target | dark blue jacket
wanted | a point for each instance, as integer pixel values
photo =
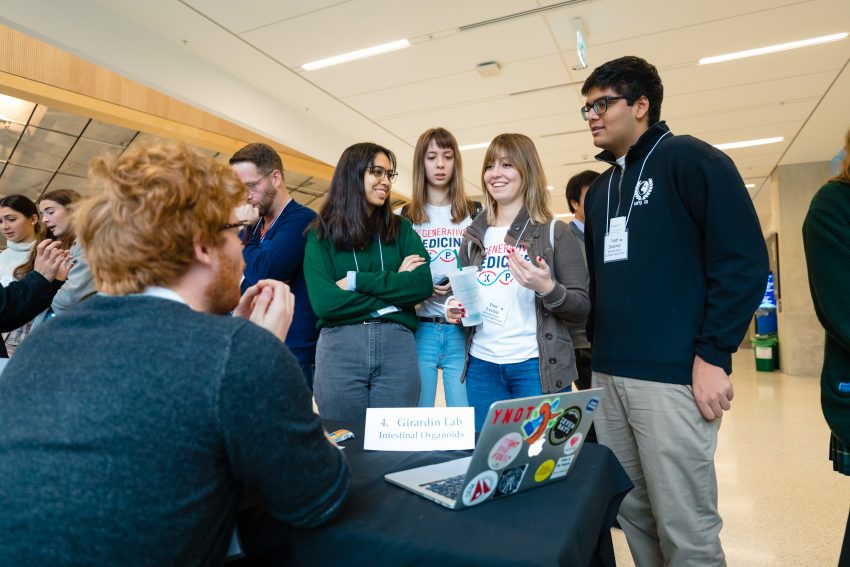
(279, 255)
(697, 263)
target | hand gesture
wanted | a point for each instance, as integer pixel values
(269, 304)
(442, 289)
(712, 389)
(65, 268)
(48, 258)
(538, 278)
(411, 262)
(454, 311)
(247, 213)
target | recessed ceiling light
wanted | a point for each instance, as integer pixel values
(750, 185)
(748, 143)
(773, 48)
(474, 146)
(354, 55)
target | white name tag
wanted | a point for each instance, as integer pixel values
(494, 313)
(617, 241)
(419, 429)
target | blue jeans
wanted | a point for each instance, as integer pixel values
(363, 366)
(487, 382)
(441, 345)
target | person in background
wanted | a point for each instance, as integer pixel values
(23, 299)
(131, 426)
(826, 239)
(577, 188)
(56, 208)
(439, 213)
(366, 270)
(275, 240)
(678, 266)
(532, 284)
(20, 227)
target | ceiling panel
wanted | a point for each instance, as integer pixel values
(43, 149)
(17, 180)
(58, 121)
(108, 133)
(77, 162)
(293, 42)
(62, 181)
(15, 109)
(10, 133)
(250, 14)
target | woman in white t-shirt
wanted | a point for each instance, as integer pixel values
(439, 212)
(532, 282)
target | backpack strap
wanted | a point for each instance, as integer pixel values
(478, 208)
(552, 235)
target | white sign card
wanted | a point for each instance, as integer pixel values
(419, 429)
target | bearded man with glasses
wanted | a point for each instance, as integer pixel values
(275, 241)
(677, 268)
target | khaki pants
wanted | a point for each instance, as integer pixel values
(667, 448)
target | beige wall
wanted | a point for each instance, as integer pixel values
(782, 205)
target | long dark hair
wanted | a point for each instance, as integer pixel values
(344, 218)
(26, 207)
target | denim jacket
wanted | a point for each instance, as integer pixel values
(567, 304)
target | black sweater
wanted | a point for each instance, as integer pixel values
(697, 263)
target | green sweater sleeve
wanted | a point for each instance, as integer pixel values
(328, 300)
(403, 289)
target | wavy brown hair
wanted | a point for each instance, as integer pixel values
(150, 206)
(461, 206)
(519, 151)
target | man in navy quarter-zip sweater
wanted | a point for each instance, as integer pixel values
(677, 267)
(274, 244)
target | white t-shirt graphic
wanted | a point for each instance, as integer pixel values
(508, 333)
(441, 238)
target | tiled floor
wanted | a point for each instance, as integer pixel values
(781, 503)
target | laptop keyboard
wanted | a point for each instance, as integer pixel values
(449, 487)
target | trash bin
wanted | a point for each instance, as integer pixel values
(766, 351)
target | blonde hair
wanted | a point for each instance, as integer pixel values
(461, 206)
(519, 151)
(844, 168)
(149, 206)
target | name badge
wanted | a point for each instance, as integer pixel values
(617, 241)
(494, 313)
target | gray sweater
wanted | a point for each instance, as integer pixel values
(130, 426)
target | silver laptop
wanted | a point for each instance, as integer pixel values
(525, 443)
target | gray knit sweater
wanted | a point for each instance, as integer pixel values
(130, 427)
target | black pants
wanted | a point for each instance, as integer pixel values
(583, 360)
(844, 559)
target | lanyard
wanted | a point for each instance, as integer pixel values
(380, 251)
(637, 183)
(265, 232)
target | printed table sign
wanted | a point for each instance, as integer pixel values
(419, 429)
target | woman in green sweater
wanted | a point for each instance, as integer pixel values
(366, 269)
(826, 237)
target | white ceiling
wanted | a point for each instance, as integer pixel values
(241, 61)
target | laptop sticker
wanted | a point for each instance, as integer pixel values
(562, 466)
(544, 470)
(541, 420)
(505, 451)
(591, 405)
(510, 481)
(573, 444)
(565, 426)
(481, 488)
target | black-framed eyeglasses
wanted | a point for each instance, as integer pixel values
(252, 185)
(379, 172)
(600, 105)
(244, 229)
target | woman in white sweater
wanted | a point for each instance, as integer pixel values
(19, 224)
